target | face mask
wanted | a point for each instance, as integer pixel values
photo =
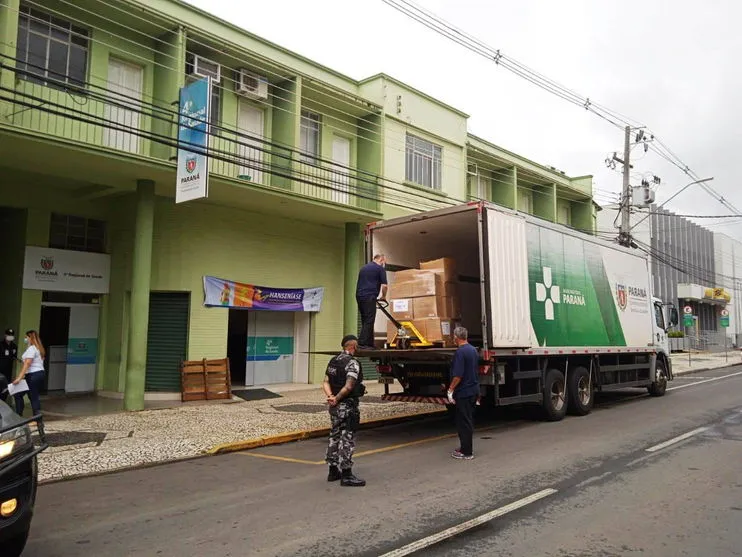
(25, 341)
(9, 338)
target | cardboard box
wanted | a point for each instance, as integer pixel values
(445, 267)
(429, 306)
(438, 330)
(453, 307)
(414, 283)
(402, 309)
(451, 289)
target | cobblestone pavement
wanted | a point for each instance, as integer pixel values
(108, 442)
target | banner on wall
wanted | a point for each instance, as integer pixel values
(225, 293)
(192, 180)
(58, 270)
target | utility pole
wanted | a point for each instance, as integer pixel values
(624, 237)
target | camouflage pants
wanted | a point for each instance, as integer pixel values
(345, 418)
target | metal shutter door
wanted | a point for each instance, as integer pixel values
(167, 340)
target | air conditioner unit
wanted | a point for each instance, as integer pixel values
(203, 67)
(251, 85)
(472, 170)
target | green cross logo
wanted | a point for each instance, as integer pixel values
(548, 293)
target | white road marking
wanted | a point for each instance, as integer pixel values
(469, 524)
(705, 381)
(677, 439)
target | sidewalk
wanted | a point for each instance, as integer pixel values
(92, 444)
(703, 360)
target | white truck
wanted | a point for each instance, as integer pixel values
(556, 314)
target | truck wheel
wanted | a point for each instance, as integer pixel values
(580, 392)
(659, 386)
(555, 402)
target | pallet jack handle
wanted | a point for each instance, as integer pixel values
(383, 305)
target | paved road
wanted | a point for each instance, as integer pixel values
(602, 492)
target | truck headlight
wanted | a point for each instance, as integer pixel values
(14, 440)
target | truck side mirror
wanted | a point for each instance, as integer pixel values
(673, 316)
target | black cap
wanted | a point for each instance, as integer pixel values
(347, 339)
(10, 332)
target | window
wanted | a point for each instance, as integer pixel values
(77, 233)
(51, 50)
(423, 162)
(659, 316)
(564, 213)
(310, 136)
(525, 201)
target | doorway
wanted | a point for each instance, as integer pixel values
(54, 330)
(268, 347)
(237, 345)
(251, 121)
(341, 157)
(125, 85)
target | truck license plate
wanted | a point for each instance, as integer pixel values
(386, 380)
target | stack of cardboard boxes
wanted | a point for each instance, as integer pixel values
(429, 298)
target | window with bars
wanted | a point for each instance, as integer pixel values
(51, 50)
(77, 233)
(310, 136)
(423, 162)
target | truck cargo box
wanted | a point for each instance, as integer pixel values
(524, 282)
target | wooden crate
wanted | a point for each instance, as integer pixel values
(205, 380)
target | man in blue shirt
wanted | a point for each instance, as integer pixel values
(371, 286)
(463, 391)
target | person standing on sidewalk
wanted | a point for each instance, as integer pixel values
(463, 391)
(33, 372)
(371, 286)
(343, 387)
(8, 356)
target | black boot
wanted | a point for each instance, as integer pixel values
(349, 480)
(334, 474)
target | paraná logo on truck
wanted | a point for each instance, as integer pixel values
(621, 297)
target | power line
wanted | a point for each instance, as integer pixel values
(442, 27)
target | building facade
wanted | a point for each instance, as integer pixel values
(691, 267)
(301, 158)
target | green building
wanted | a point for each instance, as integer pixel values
(102, 261)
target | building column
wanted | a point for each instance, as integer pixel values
(141, 274)
(353, 262)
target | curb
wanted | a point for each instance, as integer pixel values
(290, 437)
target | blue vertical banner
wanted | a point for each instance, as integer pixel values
(193, 141)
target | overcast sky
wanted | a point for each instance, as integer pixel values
(672, 65)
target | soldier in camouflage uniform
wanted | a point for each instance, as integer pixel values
(343, 386)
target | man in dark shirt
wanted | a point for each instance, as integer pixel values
(8, 356)
(463, 391)
(371, 287)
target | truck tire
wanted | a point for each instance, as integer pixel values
(580, 392)
(659, 386)
(555, 401)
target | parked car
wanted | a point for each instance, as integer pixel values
(18, 480)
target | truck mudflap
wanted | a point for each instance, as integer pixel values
(415, 398)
